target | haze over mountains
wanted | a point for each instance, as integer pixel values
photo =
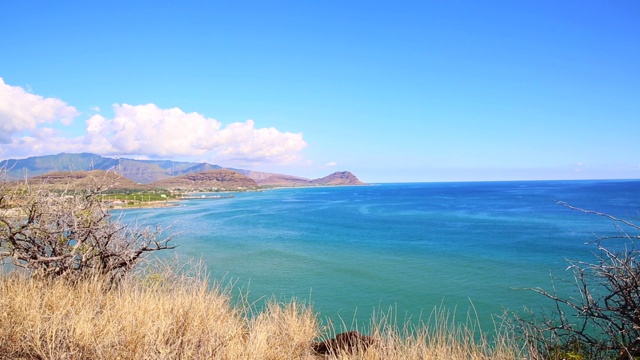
(162, 173)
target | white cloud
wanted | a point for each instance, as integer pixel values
(243, 142)
(22, 111)
(331, 164)
(149, 130)
(41, 141)
(139, 131)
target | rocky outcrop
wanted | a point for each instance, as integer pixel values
(338, 178)
(341, 178)
(348, 342)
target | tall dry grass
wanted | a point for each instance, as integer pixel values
(167, 316)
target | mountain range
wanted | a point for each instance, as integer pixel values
(161, 173)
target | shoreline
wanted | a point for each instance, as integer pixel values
(191, 196)
(147, 205)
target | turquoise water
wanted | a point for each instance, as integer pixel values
(410, 247)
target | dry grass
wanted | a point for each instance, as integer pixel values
(440, 337)
(168, 316)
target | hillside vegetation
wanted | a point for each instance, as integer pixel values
(210, 180)
(79, 180)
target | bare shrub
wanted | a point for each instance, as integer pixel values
(54, 233)
(602, 318)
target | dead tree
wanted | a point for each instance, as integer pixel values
(602, 319)
(69, 233)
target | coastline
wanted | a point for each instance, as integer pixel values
(190, 196)
(147, 205)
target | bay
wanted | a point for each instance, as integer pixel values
(350, 251)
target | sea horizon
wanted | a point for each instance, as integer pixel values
(487, 181)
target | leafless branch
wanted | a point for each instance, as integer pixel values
(70, 233)
(605, 316)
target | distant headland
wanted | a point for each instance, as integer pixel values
(134, 174)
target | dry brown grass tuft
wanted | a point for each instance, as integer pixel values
(439, 338)
(163, 315)
(281, 331)
(87, 320)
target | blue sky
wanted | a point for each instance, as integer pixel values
(392, 91)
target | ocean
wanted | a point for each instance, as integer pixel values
(406, 248)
